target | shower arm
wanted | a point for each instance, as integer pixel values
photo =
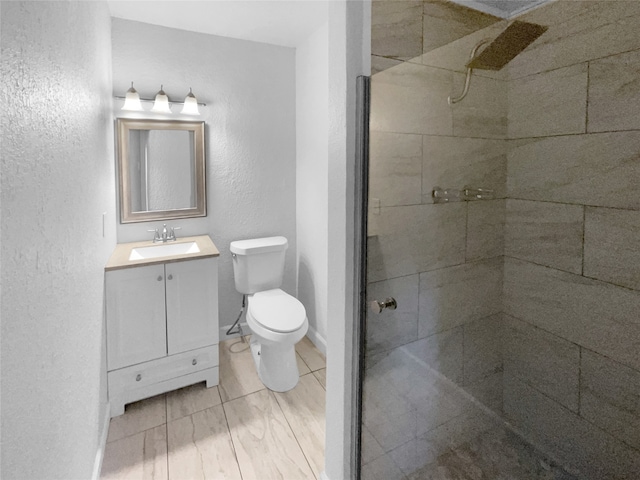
(467, 81)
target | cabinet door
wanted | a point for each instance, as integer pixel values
(192, 304)
(136, 327)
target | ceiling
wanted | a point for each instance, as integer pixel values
(285, 23)
(502, 8)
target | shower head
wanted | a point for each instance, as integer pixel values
(517, 36)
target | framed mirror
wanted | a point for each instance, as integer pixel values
(161, 169)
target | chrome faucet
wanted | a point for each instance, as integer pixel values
(168, 234)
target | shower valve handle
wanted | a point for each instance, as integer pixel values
(390, 303)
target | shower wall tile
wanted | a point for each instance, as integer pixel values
(392, 328)
(415, 239)
(590, 313)
(483, 112)
(411, 98)
(546, 362)
(575, 442)
(599, 169)
(609, 397)
(442, 352)
(545, 233)
(453, 296)
(488, 391)
(611, 246)
(445, 22)
(396, 28)
(485, 229)
(578, 32)
(395, 168)
(550, 103)
(380, 64)
(482, 348)
(451, 162)
(614, 93)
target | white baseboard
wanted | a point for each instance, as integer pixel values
(223, 331)
(102, 442)
(318, 340)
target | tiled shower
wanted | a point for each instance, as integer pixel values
(527, 300)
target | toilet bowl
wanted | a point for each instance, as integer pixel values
(277, 322)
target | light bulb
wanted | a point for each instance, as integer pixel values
(132, 101)
(190, 105)
(161, 104)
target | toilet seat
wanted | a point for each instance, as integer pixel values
(277, 311)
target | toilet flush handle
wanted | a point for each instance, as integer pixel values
(390, 303)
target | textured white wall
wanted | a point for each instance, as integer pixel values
(57, 180)
(312, 190)
(249, 89)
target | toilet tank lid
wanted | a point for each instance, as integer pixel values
(258, 245)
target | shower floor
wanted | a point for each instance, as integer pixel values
(418, 425)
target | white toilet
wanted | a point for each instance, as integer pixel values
(277, 320)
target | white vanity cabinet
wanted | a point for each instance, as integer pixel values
(162, 328)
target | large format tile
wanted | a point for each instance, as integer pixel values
(138, 417)
(321, 375)
(380, 64)
(188, 400)
(415, 239)
(304, 409)
(485, 229)
(544, 361)
(442, 352)
(451, 162)
(200, 447)
(392, 328)
(238, 375)
(599, 169)
(609, 397)
(382, 468)
(396, 28)
(395, 168)
(611, 246)
(310, 354)
(488, 391)
(453, 296)
(445, 22)
(142, 456)
(578, 444)
(545, 233)
(411, 98)
(482, 348)
(483, 112)
(551, 103)
(590, 313)
(614, 93)
(578, 32)
(264, 443)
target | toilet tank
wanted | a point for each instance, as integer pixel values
(258, 264)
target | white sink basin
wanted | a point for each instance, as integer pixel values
(164, 250)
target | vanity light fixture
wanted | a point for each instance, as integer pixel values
(132, 100)
(161, 103)
(190, 104)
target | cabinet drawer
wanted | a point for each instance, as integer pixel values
(155, 371)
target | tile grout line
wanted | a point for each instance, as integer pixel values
(233, 445)
(294, 433)
(166, 432)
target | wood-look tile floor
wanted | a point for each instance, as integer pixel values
(237, 430)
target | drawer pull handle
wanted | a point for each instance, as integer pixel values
(194, 362)
(159, 278)
(170, 277)
(138, 377)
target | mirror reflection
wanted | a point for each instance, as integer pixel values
(161, 166)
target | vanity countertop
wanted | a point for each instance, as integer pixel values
(120, 257)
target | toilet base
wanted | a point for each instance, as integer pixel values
(276, 364)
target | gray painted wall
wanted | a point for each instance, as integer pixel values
(249, 89)
(57, 180)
